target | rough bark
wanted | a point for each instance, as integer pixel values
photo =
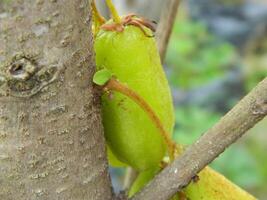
(51, 137)
(250, 110)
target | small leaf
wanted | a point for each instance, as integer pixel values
(102, 76)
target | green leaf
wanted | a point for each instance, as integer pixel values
(102, 76)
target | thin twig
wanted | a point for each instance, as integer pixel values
(166, 23)
(232, 126)
(129, 178)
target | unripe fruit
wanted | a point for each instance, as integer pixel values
(132, 57)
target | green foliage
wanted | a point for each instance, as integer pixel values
(256, 145)
(5, 1)
(254, 78)
(196, 57)
(255, 59)
(191, 122)
(240, 166)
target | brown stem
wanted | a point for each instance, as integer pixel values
(232, 126)
(115, 85)
(98, 17)
(165, 25)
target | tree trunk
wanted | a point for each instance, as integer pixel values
(51, 137)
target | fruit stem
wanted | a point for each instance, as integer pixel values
(113, 12)
(98, 17)
(115, 85)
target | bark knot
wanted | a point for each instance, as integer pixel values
(22, 76)
(260, 108)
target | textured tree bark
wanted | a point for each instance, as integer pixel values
(51, 137)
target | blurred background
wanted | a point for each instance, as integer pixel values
(217, 53)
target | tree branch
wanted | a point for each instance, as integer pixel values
(250, 110)
(166, 23)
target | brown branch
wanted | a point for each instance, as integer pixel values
(165, 26)
(232, 126)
